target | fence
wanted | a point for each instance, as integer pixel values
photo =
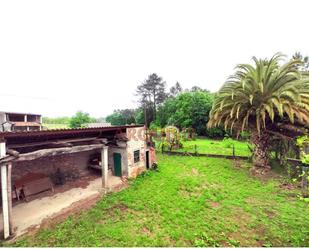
(293, 162)
(196, 153)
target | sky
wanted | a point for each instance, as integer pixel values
(61, 56)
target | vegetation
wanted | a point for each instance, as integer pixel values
(207, 202)
(57, 120)
(55, 126)
(188, 109)
(151, 93)
(80, 119)
(216, 147)
(268, 99)
(171, 138)
(304, 65)
(182, 108)
(123, 117)
(189, 202)
(175, 90)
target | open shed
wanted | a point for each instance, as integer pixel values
(37, 162)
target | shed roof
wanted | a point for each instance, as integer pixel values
(47, 134)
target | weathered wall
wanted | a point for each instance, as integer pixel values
(136, 141)
(124, 159)
(152, 156)
(72, 165)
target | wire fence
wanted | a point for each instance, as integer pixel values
(212, 148)
(195, 150)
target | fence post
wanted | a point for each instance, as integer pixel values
(304, 182)
(233, 151)
(195, 149)
(162, 147)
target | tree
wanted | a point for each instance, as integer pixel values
(115, 118)
(152, 93)
(188, 109)
(80, 119)
(196, 89)
(122, 117)
(140, 116)
(174, 90)
(304, 65)
(268, 99)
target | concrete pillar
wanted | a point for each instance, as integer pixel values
(25, 118)
(104, 165)
(4, 192)
(10, 201)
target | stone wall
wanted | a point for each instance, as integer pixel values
(73, 166)
(136, 142)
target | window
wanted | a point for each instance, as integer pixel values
(136, 156)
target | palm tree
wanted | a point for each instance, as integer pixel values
(267, 99)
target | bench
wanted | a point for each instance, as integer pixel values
(31, 184)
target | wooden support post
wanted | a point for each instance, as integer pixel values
(4, 192)
(104, 164)
(10, 208)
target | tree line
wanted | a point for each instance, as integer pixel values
(159, 107)
(76, 121)
(183, 108)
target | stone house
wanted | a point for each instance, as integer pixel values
(32, 162)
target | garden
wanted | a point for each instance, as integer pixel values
(189, 201)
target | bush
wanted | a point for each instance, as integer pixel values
(216, 132)
(154, 126)
(80, 120)
(244, 135)
(228, 142)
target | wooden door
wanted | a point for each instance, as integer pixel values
(147, 160)
(117, 164)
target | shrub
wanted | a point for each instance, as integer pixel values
(228, 142)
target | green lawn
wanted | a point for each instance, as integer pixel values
(209, 146)
(55, 126)
(190, 202)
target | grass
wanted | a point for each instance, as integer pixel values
(55, 126)
(221, 147)
(190, 201)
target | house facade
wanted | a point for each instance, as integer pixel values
(12, 121)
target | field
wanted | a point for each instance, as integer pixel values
(55, 126)
(189, 201)
(221, 147)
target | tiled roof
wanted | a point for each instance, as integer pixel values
(26, 123)
(11, 134)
